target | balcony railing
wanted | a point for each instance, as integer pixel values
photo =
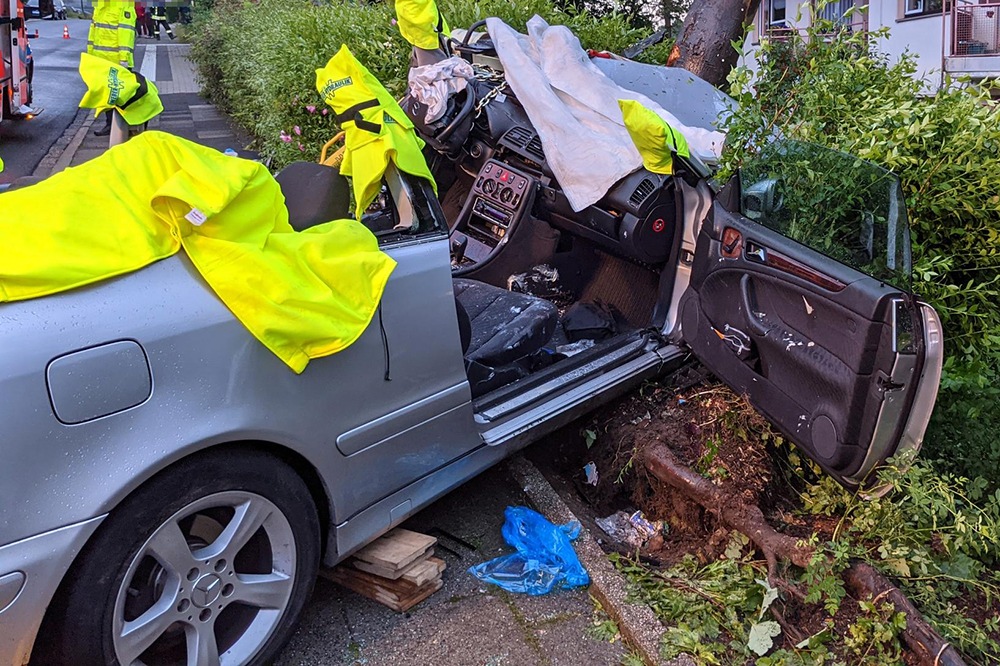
(975, 28)
(838, 12)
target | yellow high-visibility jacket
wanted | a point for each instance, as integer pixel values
(420, 22)
(303, 295)
(653, 137)
(112, 32)
(375, 127)
(110, 85)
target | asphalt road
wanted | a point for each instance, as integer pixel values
(58, 89)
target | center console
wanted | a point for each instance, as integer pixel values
(499, 198)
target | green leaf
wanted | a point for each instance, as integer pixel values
(762, 636)
(770, 595)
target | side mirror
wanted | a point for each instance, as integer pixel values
(762, 199)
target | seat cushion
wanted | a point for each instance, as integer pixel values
(314, 194)
(506, 326)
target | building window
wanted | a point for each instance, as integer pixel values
(922, 7)
(776, 12)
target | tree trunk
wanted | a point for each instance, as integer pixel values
(705, 47)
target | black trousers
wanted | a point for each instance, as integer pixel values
(162, 22)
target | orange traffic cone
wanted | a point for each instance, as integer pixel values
(65, 32)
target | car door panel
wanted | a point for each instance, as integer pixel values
(399, 406)
(809, 340)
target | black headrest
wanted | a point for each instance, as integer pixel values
(314, 194)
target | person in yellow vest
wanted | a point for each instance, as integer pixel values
(112, 37)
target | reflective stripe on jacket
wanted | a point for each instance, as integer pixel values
(112, 32)
(110, 85)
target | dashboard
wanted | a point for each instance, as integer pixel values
(500, 197)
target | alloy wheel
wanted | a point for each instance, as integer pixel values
(209, 586)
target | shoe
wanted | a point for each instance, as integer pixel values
(104, 131)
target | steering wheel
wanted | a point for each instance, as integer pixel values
(470, 103)
(472, 29)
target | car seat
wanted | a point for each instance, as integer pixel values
(500, 331)
(314, 194)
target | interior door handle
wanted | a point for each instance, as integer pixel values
(755, 253)
(749, 302)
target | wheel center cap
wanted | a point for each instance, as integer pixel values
(206, 590)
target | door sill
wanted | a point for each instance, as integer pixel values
(520, 394)
(597, 382)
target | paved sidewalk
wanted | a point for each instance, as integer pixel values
(185, 112)
(466, 623)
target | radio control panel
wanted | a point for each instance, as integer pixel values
(499, 196)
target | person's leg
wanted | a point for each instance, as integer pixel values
(170, 33)
(106, 130)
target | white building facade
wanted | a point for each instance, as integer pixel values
(960, 37)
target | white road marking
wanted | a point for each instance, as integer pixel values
(148, 68)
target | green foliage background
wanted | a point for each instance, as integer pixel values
(259, 57)
(839, 90)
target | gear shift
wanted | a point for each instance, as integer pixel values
(458, 249)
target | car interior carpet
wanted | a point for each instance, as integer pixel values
(595, 275)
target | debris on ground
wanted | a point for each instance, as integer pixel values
(544, 560)
(634, 530)
(743, 515)
(398, 570)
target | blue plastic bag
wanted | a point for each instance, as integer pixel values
(544, 559)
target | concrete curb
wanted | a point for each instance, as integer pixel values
(638, 625)
(61, 153)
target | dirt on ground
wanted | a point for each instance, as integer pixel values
(712, 430)
(707, 427)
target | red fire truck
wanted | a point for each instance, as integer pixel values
(15, 62)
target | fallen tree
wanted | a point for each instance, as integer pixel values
(863, 580)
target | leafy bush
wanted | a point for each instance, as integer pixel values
(258, 59)
(937, 534)
(839, 90)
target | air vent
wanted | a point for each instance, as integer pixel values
(642, 192)
(535, 148)
(518, 137)
(525, 142)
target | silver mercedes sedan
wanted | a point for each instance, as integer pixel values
(170, 488)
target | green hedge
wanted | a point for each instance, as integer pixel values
(259, 58)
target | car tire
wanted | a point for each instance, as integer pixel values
(216, 555)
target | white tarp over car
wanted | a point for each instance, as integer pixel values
(573, 106)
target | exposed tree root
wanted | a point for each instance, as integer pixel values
(729, 509)
(863, 580)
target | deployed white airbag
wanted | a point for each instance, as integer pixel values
(573, 106)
